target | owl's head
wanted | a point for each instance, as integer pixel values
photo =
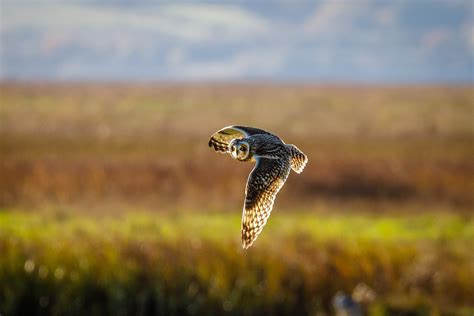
(240, 150)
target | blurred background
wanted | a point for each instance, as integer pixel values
(112, 203)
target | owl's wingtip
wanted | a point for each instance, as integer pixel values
(245, 246)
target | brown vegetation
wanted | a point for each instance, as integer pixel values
(77, 142)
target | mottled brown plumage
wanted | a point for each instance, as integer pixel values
(274, 160)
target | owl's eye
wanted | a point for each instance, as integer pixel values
(232, 148)
(243, 148)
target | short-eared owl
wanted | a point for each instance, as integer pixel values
(274, 160)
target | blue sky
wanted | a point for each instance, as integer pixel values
(324, 41)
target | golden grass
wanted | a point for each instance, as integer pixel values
(73, 142)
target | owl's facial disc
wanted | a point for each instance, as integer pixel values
(239, 149)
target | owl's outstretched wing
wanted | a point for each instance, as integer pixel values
(263, 184)
(220, 140)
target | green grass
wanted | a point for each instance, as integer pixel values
(145, 263)
(219, 227)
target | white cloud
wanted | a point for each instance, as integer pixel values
(333, 15)
(217, 18)
(187, 22)
(117, 32)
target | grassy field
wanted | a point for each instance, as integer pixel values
(140, 263)
(73, 143)
(112, 203)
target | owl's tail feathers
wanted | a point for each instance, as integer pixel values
(298, 159)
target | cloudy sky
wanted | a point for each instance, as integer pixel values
(339, 40)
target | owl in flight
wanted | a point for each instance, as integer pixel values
(274, 159)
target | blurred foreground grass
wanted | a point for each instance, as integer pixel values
(191, 263)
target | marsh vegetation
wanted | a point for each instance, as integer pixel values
(111, 201)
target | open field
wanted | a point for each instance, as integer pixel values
(111, 201)
(138, 263)
(71, 142)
